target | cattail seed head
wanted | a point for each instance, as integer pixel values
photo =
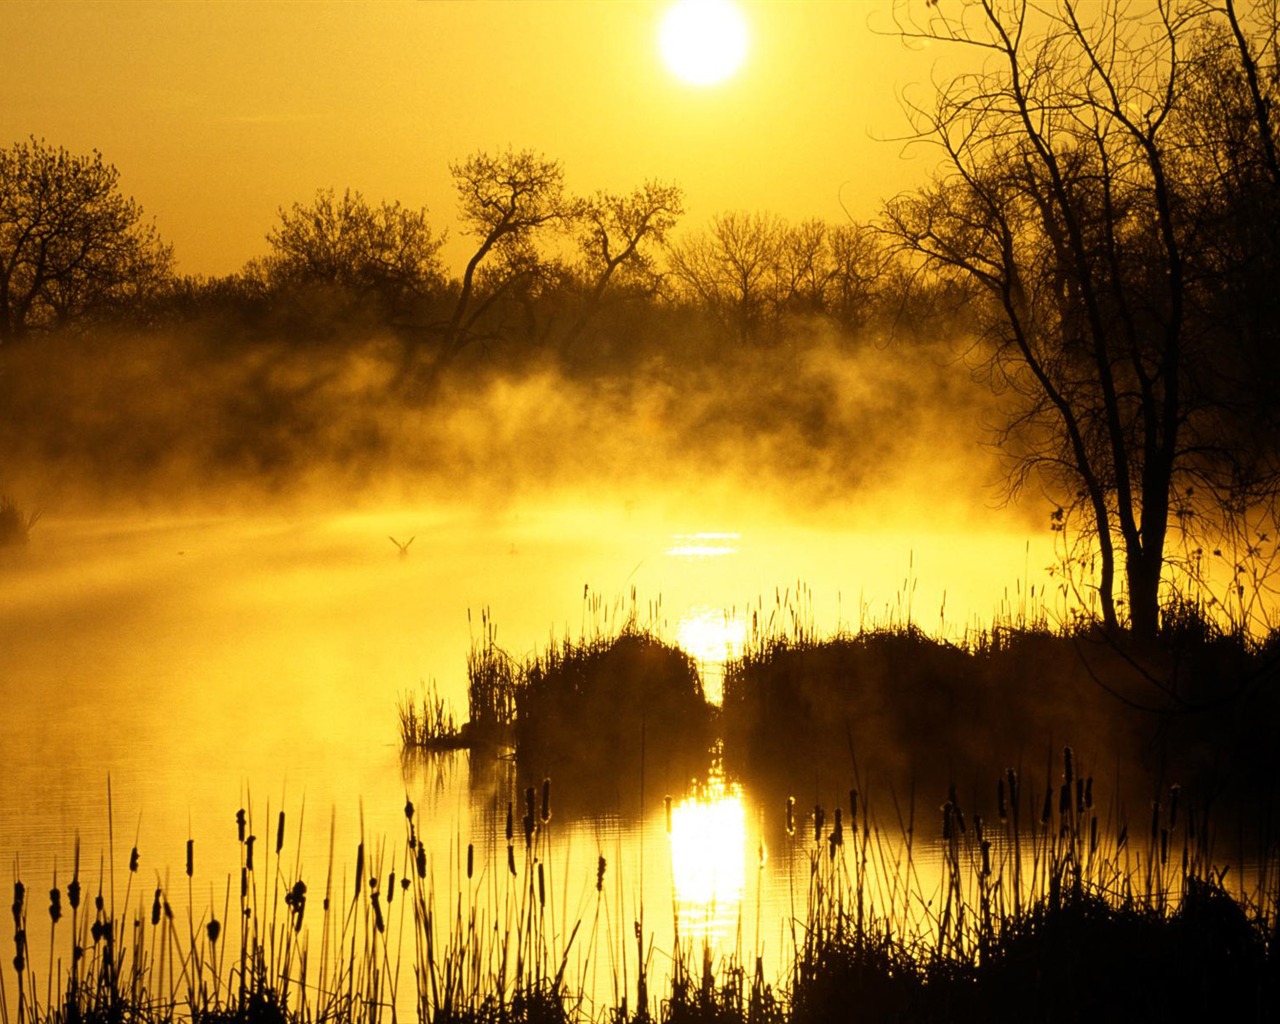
(55, 904)
(133, 861)
(819, 818)
(471, 857)
(359, 867)
(511, 859)
(600, 865)
(666, 805)
(155, 909)
(241, 821)
(214, 929)
(279, 833)
(408, 809)
(421, 863)
(248, 851)
(546, 800)
(510, 822)
(73, 893)
(191, 855)
(19, 899)
(542, 889)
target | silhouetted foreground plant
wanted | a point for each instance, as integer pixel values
(1034, 913)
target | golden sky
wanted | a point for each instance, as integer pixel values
(218, 114)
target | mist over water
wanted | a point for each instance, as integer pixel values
(220, 611)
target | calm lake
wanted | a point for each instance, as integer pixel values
(159, 674)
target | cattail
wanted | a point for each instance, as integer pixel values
(977, 827)
(155, 909)
(600, 865)
(404, 885)
(279, 833)
(214, 929)
(20, 948)
(73, 893)
(133, 861)
(408, 809)
(55, 904)
(391, 887)
(791, 816)
(511, 859)
(241, 821)
(244, 883)
(819, 817)
(1093, 834)
(546, 800)
(510, 829)
(378, 922)
(1047, 810)
(666, 804)
(471, 856)
(248, 852)
(359, 867)
(527, 821)
(986, 858)
(422, 861)
(836, 839)
(542, 889)
(1064, 800)
(191, 856)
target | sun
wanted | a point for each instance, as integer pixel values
(703, 42)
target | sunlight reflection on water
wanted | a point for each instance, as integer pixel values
(708, 856)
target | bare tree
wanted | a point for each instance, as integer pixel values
(616, 235)
(505, 202)
(385, 252)
(732, 270)
(1074, 194)
(71, 245)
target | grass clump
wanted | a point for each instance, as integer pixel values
(428, 723)
(609, 700)
(15, 525)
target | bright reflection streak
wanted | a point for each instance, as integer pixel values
(712, 636)
(708, 857)
(703, 545)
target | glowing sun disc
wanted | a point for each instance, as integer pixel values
(703, 41)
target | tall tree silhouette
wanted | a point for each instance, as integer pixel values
(1089, 189)
(71, 245)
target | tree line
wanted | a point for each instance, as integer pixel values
(1103, 227)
